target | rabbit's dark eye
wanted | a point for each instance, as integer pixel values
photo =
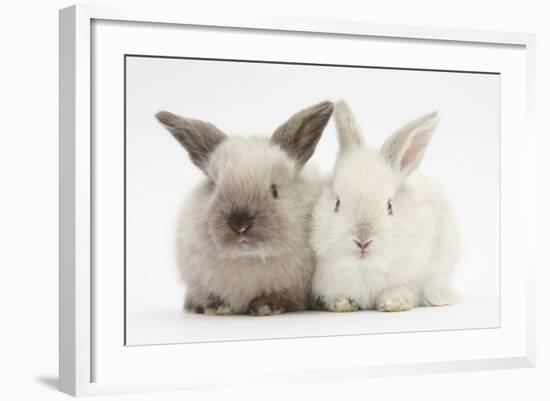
(274, 191)
(337, 206)
(390, 208)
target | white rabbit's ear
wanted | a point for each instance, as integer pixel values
(199, 138)
(299, 135)
(406, 147)
(349, 132)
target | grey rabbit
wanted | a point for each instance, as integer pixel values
(242, 238)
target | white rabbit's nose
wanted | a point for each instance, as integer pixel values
(362, 245)
(362, 233)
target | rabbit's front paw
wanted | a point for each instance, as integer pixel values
(215, 309)
(394, 301)
(394, 305)
(266, 305)
(211, 305)
(342, 305)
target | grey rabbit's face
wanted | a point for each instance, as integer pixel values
(253, 182)
(252, 193)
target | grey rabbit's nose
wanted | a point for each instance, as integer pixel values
(240, 221)
(362, 245)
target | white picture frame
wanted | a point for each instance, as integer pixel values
(93, 357)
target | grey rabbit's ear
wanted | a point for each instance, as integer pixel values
(299, 136)
(406, 147)
(199, 138)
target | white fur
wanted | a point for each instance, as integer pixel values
(413, 252)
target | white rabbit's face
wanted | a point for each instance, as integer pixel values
(354, 217)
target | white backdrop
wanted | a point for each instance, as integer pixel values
(252, 98)
(28, 164)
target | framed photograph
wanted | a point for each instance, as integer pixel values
(289, 200)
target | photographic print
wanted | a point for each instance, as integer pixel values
(268, 199)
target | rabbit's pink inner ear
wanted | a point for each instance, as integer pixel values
(404, 149)
(394, 149)
(414, 152)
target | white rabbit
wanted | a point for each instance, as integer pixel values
(383, 235)
(242, 242)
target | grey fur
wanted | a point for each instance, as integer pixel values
(198, 137)
(300, 134)
(272, 272)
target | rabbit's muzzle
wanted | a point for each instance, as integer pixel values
(240, 221)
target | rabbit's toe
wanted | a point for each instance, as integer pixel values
(342, 305)
(394, 305)
(264, 310)
(266, 305)
(218, 310)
